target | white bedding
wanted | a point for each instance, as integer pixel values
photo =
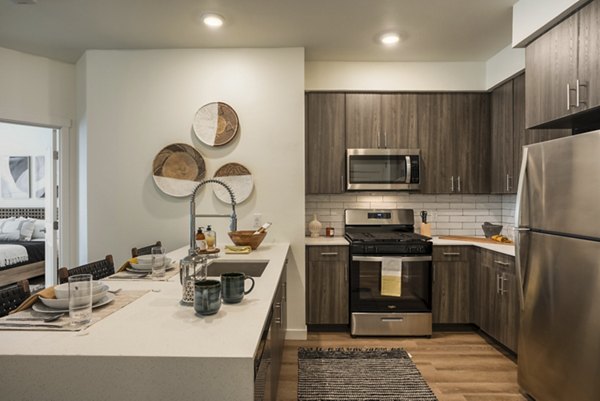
(11, 254)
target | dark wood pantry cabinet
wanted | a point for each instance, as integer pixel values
(327, 287)
(325, 143)
(563, 70)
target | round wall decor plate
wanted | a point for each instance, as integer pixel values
(177, 169)
(239, 180)
(215, 124)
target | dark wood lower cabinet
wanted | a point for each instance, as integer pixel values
(479, 286)
(327, 290)
(451, 284)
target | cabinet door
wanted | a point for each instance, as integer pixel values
(451, 285)
(489, 284)
(363, 121)
(325, 143)
(327, 285)
(277, 336)
(510, 312)
(551, 64)
(434, 121)
(502, 163)
(476, 301)
(525, 136)
(399, 121)
(589, 54)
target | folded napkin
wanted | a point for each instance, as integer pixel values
(391, 277)
(45, 293)
(127, 264)
(238, 249)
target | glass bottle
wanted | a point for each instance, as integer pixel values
(200, 240)
(211, 238)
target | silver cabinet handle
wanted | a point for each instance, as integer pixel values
(497, 283)
(452, 184)
(502, 280)
(501, 263)
(284, 297)
(451, 254)
(507, 183)
(385, 139)
(579, 84)
(459, 184)
(329, 253)
(568, 97)
(343, 183)
(379, 139)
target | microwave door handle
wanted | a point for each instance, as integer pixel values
(408, 169)
(404, 259)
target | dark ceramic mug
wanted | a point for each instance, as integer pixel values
(207, 297)
(233, 287)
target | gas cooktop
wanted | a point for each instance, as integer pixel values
(386, 237)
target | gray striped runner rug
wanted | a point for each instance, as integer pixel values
(359, 374)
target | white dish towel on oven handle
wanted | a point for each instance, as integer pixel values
(391, 277)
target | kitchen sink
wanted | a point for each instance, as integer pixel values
(253, 268)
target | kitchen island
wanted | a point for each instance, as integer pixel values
(152, 349)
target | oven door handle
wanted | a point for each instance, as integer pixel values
(402, 258)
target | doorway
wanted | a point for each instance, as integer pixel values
(30, 174)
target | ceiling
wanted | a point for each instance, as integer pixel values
(329, 30)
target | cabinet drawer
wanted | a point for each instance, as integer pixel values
(454, 253)
(505, 263)
(328, 253)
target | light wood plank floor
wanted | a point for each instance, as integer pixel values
(460, 366)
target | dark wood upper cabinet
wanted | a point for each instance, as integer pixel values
(502, 163)
(563, 71)
(399, 121)
(454, 142)
(363, 121)
(325, 143)
(381, 120)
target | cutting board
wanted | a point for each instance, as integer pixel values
(474, 239)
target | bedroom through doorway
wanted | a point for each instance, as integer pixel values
(29, 204)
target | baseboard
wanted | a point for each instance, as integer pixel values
(295, 334)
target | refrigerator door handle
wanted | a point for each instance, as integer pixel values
(520, 229)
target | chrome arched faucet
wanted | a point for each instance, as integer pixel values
(193, 215)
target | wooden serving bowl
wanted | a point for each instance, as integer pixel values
(247, 237)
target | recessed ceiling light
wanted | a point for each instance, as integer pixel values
(390, 38)
(213, 20)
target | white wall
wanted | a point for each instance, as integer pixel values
(531, 17)
(503, 65)
(133, 103)
(23, 140)
(395, 76)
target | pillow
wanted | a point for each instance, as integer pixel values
(26, 229)
(39, 229)
(10, 225)
(14, 236)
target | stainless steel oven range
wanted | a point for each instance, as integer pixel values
(390, 274)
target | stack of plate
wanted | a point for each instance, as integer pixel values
(144, 264)
(100, 296)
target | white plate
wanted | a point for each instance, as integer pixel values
(62, 291)
(147, 266)
(40, 307)
(63, 303)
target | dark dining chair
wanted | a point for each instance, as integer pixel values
(99, 269)
(12, 296)
(145, 250)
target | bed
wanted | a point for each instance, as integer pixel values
(22, 251)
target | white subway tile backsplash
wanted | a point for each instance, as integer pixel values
(448, 214)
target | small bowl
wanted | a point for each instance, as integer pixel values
(62, 291)
(247, 237)
(490, 230)
(144, 259)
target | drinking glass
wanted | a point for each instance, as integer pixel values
(158, 263)
(80, 298)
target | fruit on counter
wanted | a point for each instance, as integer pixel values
(501, 238)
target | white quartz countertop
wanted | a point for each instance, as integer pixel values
(156, 325)
(501, 248)
(325, 241)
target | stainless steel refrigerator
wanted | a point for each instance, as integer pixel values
(558, 264)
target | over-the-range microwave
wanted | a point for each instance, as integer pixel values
(383, 169)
